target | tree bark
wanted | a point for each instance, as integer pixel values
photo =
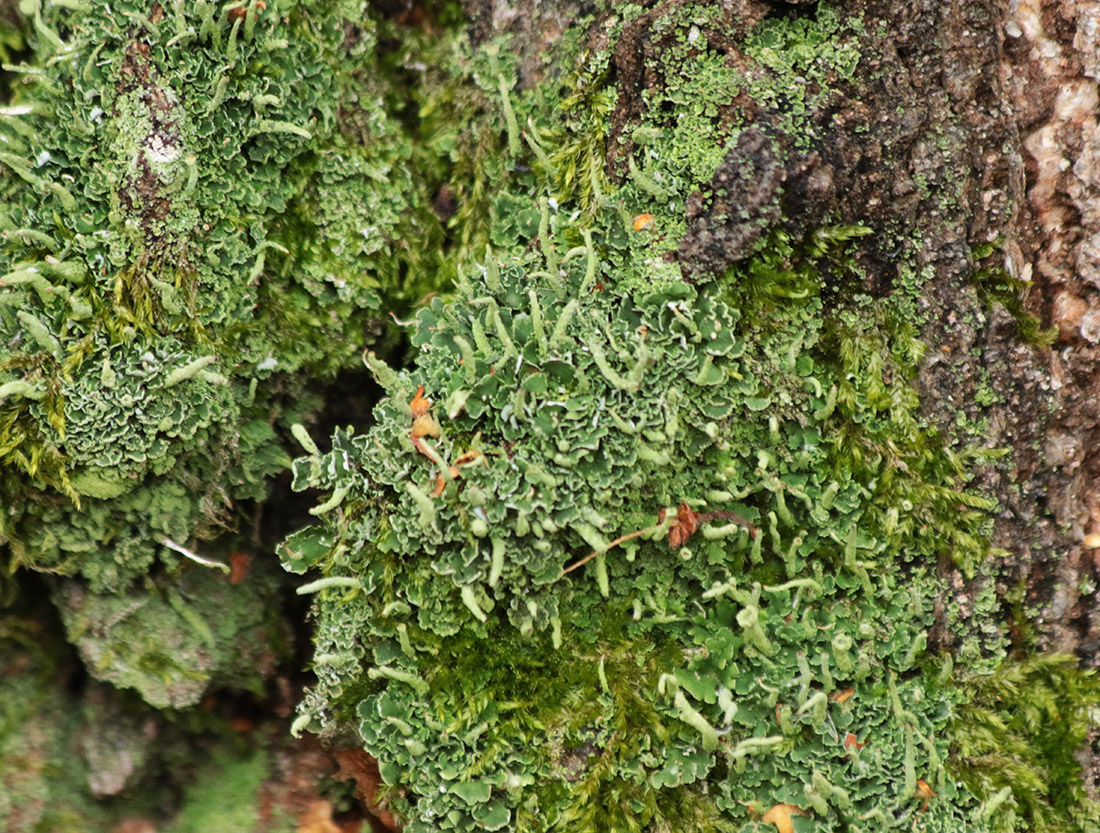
(962, 135)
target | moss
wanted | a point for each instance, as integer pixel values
(46, 770)
(546, 490)
(996, 286)
(174, 640)
(646, 536)
(223, 798)
(1016, 740)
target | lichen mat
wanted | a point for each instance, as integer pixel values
(643, 527)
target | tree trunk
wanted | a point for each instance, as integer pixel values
(892, 206)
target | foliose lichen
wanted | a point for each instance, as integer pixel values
(206, 209)
(650, 533)
(203, 209)
(629, 551)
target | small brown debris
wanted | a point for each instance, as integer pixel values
(925, 793)
(318, 819)
(441, 481)
(419, 405)
(357, 765)
(424, 426)
(240, 564)
(238, 12)
(243, 725)
(685, 525)
(780, 816)
(468, 458)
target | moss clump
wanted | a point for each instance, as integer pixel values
(996, 286)
(685, 654)
(223, 799)
(1015, 744)
(649, 534)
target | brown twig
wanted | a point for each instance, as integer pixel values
(687, 521)
(620, 540)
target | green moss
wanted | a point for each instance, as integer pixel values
(996, 286)
(172, 641)
(78, 756)
(635, 542)
(579, 435)
(1016, 743)
(223, 798)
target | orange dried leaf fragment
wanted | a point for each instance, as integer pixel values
(419, 405)
(468, 458)
(925, 793)
(441, 481)
(424, 426)
(236, 13)
(842, 696)
(780, 816)
(643, 221)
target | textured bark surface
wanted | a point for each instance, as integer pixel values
(1050, 68)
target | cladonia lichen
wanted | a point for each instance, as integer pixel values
(639, 543)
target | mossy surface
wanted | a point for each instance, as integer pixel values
(206, 214)
(1017, 739)
(221, 221)
(78, 756)
(638, 546)
(648, 534)
(173, 640)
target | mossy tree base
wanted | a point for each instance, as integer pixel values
(706, 498)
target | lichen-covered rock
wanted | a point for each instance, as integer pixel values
(173, 640)
(79, 756)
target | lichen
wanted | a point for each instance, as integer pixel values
(172, 641)
(204, 214)
(648, 533)
(627, 551)
(214, 223)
